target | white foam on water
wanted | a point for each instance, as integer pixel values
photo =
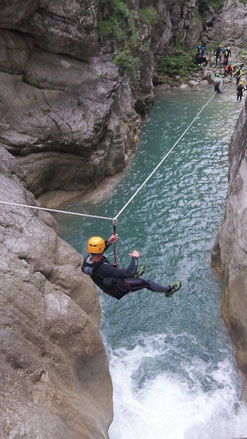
(166, 405)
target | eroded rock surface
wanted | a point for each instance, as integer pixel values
(54, 371)
(66, 111)
(229, 255)
(229, 25)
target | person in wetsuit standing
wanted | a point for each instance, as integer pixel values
(217, 52)
(117, 282)
(240, 90)
(217, 86)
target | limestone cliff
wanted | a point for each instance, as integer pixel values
(69, 108)
(229, 255)
(229, 24)
(70, 113)
(54, 371)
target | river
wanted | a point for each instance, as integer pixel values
(171, 360)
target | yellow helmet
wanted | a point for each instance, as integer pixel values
(228, 48)
(220, 45)
(241, 83)
(96, 245)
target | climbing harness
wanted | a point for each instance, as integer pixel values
(114, 219)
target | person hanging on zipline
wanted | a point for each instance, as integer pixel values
(114, 281)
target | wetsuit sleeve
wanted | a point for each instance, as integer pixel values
(108, 270)
(107, 244)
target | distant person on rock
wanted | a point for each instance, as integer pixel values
(228, 70)
(198, 50)
(117, 282)
(217, 53)
(227, 54)
(238, 73)
(217, 86)
(240, 90)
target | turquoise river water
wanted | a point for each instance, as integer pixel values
(171, 360)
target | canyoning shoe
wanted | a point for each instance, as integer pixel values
(173, 288)
(140, 270)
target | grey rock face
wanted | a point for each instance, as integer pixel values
(65, 110)
(229, 255)
(230, 24)
(55, 378)
(57, 114)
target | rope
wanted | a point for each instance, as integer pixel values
(114, 223)
(114, 220)
(67, 212)
(163, 159)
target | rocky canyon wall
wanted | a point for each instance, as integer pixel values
(69, 116)
(68, 113)
(55, 381)
(229, 254)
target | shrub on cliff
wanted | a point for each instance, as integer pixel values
(179, 62)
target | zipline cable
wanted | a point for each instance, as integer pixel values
(67, 212)
(163, 159)
(114, 220)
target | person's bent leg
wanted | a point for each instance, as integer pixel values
(140, 283)
(132, 285)
(157, 288)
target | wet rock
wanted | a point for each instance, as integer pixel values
(193, 83)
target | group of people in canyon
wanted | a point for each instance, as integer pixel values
(223, 58)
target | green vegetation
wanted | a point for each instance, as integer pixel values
(84, 11)
(179, 62)
(148, 16)
(110, 27)
(126, 62)
(118, 22)
(45, 111)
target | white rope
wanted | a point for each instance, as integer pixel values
(163, 159)
(67, 212)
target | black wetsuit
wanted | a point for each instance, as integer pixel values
(240, 90)
(117, 282)
(226, 56)
(238, 76)
(217, 53)
(217, 88)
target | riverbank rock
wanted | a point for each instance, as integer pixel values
(229, 254)
(55, 378)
